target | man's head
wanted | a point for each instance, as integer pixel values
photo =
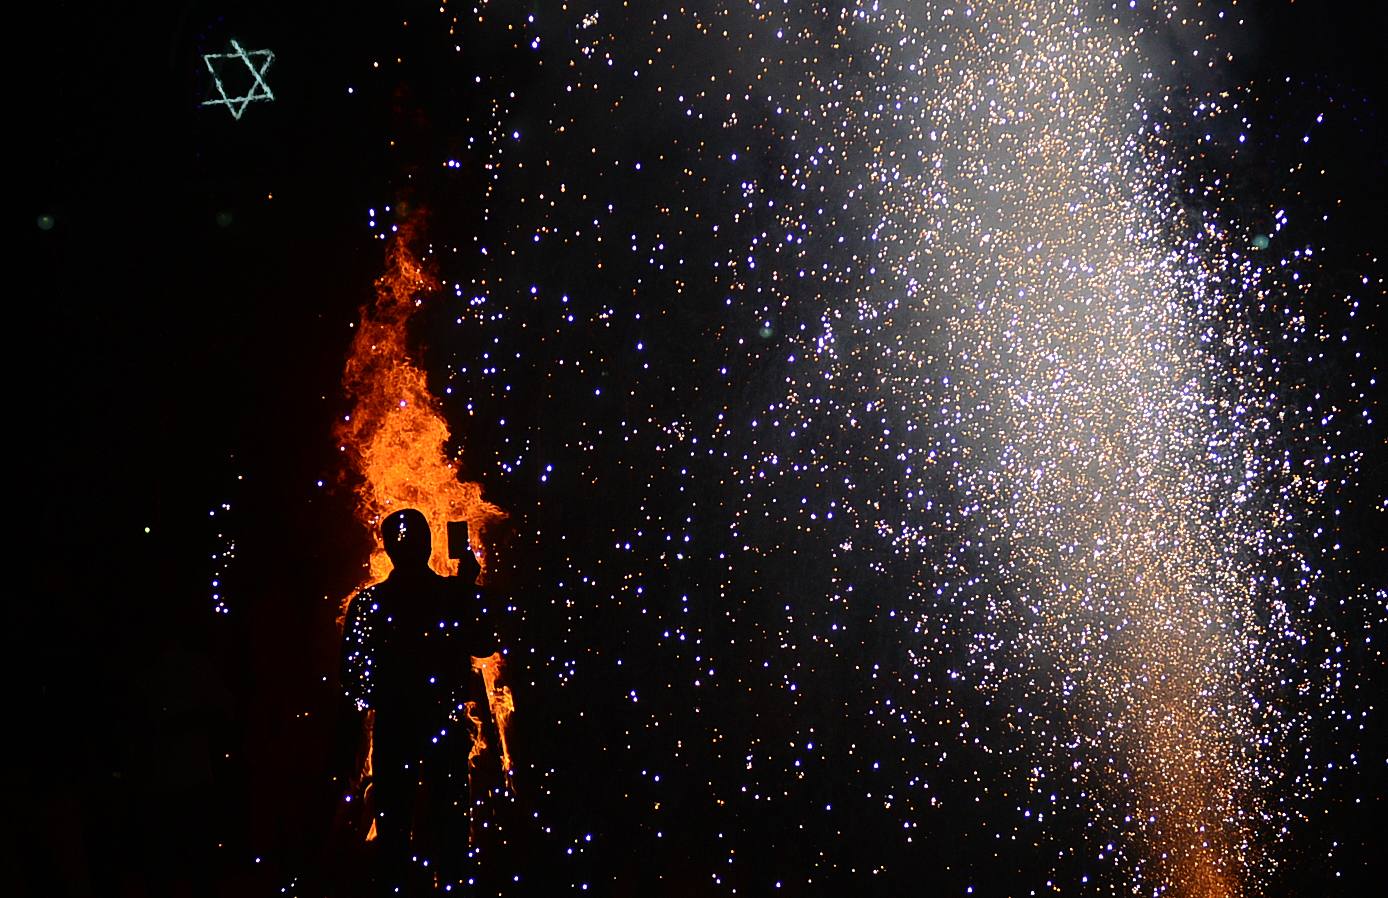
(407, 539)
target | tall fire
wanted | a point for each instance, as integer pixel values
(394, 443)
(395, 439)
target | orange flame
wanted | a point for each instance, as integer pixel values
(367, 771)
(479, 741)
(395, 438)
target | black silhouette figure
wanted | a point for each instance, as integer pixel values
(406, 654)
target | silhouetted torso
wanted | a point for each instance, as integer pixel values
(416, 625)
(407, 648)
(408, 641)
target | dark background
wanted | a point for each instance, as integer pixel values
(176, 340)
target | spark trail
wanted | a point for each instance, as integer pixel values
(1049, 338)
(1091, 424)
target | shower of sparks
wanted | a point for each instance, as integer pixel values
(912, 427)
(1065, 345)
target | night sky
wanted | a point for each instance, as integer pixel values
(806, 348)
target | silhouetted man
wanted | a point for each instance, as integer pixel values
(405, 648)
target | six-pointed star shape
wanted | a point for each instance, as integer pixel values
(259, 89)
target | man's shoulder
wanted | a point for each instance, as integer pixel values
(425, 594)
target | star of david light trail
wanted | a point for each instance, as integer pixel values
(257, 91)
(955, 430)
